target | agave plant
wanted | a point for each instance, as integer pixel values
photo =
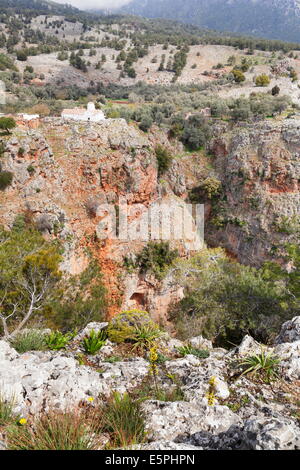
(57, 340)
(145, 336)
(265, 363)
(188, 349)
(94, 342)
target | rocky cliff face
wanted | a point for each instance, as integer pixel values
(259, 166)
(67, 176)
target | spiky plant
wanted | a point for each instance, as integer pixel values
(264, 363)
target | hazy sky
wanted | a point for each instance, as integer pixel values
(85, 4)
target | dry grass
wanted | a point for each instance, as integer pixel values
(119, 420)
(57, 431)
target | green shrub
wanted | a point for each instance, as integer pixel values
(29, 340)
(26, 259)
(264, 364)
(210, 188)
(288, 225)
(113, 359)
(195, 131)
(57, 340)
(6, 178)
(262, 80)
(31, 169)
(156, 258)
(22, 55)
(200, 353)
(225, 300)
(164, 159)
(275, 90)
(6, 63)
(238, 76)
(161, 358)
(123, 327)
(7, 123)
(144, 336)
(94, 342)
(65, 304)
(146, 123)
(55, 431)
(124, 420)
(82, 300)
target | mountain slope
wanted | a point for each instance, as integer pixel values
(40, 6)
(274, 19)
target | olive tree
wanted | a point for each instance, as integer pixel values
(29, 272)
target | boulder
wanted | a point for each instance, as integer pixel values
(271, 434)
(198, 342)
(264, 433)
(247, 347)
(195, 375)
(39, 380)
(123, 376)
(290, 331)
(289, 354)
(167, 421)
(96, 326)
(6, 351)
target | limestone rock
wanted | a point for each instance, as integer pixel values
(96, 326)
(170, 420)
(42, 379)
(247, 347)
(6, 351)
(289, 354)
(271, 434)
(165, 445)
(199, 342)
(255, 434)
(195, 375)
(122, 376)
(290, 331)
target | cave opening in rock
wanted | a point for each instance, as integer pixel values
(138, 298)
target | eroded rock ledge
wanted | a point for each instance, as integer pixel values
(245, 413)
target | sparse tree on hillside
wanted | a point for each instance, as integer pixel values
(262, 80)
(29, 271)
(275, 90)
(238, 75)
(7, 123)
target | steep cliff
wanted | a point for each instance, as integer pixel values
(67, 179)
(259, 210)
(68, 176)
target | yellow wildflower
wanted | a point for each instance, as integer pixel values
(212, 381)
(153, 356)
(211, 397)
(22, 421)
(91, 399)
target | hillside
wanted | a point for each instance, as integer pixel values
(274, 19)
(34, 6)
(198, 108)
